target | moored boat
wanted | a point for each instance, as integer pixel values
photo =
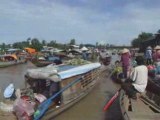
(11, 59)
(146, 107)
(72, 83)
(42, 61)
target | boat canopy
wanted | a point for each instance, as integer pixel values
(84, 49)
(78, 70)
(55, 73)
(9, 56)
(13, 50)
(30, 50)
(14, 56)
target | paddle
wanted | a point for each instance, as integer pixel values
(109, 103)
(43, 107)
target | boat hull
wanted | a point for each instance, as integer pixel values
(11, 63)
(54, 112)
(42, 63)
(74, 93)
(146, 107)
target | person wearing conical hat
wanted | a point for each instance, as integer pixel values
(125, 60)
(84, 53)
(149, 48)
(148, 55)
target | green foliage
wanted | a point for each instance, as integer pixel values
(20, 45)
(52, 43)
(36, 44)
(158, 31)
(77, 61)
(72, 42)
(44, 43)
(141, 37)
(3, 46)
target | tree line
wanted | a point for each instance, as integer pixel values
(136, 42)
(38, 45)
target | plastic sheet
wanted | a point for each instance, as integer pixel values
(23, 109)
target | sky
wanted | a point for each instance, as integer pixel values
(115, 22)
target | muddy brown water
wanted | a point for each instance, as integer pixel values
(14, 74)
(89, 108)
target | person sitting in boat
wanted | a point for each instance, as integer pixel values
(157, 72)
(84, 55)
(117, 74)
(54, 88)
(48, 88)
(138, 79)
(44, 89)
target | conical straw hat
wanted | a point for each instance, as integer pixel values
(125, 50)
(149, 47)
(84, 49)
(157, 47)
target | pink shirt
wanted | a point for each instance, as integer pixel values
(157, 56)
(125, 59)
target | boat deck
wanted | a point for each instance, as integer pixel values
(140, 109)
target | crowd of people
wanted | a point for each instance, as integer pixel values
(152, 55)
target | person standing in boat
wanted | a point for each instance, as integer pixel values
(148, 55)
(125, 60)
(138, 79)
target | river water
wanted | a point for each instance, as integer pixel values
(14, 74)
(89, 108)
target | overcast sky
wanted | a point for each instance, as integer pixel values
(88, 21)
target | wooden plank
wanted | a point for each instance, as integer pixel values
(150, 103)
(126, 102)
(145, 116)
(140, 107)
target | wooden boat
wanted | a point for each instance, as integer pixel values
(146, 107)
(9, 60)
(42, 61)
(74, 83)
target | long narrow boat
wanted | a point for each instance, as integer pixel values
(146, 107)
(42, 62)
(9, 60)
(73, 83)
